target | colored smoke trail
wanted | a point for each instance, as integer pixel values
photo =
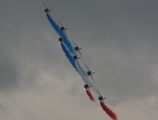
(68, 55)
(54, 25)
(108, 111)
(70, 58)
(66, 42)
(83, 71)
(61, 33)
(85, 78)
(90, 95)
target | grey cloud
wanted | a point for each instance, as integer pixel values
(8, 73)
(2, 108)
(118, 37)
(119, 40)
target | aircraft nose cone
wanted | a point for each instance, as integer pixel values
(86, 86)
(62, 28)
(45, 10)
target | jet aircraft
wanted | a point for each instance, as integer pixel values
(46, 9)
(62, 28)
(60, 39)
(100, 97)
(86, 86)
(77, 48)
(75, 57)
(89, 73)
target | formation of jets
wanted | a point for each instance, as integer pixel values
(75, 57)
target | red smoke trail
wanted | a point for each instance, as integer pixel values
(108, 111)
(90, 96)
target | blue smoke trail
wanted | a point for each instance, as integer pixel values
(66, 42)
(61, 33)
(68, 55)
(72, 61)
(82, 70)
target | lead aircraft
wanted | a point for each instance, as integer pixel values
(46, 9)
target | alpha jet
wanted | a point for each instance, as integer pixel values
(46, 9)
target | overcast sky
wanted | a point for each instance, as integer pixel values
(119, 40)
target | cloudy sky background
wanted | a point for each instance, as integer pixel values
(119, 40)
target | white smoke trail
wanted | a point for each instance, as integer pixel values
(85, 78)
